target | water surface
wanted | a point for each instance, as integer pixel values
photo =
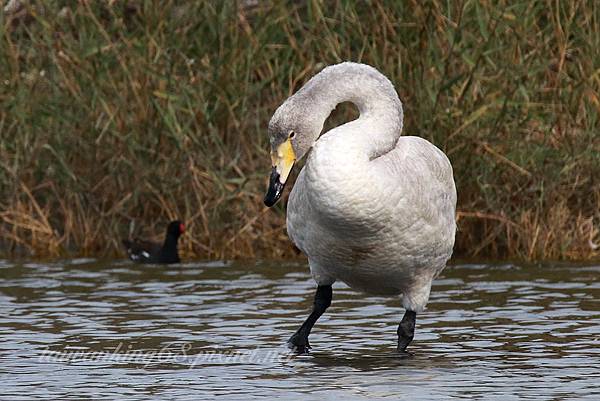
(109, 330)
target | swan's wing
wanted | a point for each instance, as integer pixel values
(415, 160)
(416, 179)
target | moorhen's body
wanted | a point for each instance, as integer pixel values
(151, 252)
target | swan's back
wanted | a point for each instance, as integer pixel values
(417, 169)
(417, 183)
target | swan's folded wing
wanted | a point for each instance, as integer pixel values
(417, 178)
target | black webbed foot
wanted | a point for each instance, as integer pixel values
(299, 344)
(406, 330)
(299, 341)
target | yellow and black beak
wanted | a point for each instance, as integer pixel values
(282, 159)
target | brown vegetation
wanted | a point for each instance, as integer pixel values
(144, 111)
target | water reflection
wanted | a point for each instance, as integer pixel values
(87, 328)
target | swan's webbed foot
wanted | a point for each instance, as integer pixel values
(406, 330)
(299, 341)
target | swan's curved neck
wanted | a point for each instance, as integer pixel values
(379, 125)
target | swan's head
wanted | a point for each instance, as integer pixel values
(291, 134)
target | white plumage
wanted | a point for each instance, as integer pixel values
(371, 208)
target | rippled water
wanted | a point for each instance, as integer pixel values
(90, 329)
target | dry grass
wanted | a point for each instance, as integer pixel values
(122, 112)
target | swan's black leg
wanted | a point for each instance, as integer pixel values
(406, 330)
(299, 341)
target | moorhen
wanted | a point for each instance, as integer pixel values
(151, 252)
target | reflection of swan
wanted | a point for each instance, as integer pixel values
(370, 208)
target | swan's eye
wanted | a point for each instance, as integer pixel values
(292, 134)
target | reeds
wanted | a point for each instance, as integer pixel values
(118, 116)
